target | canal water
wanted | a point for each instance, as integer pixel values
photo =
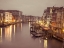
(18, 36)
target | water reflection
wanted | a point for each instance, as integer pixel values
(0, 34)
(21, 26)
(8, 33)
(29, 24)
(14, 30)
(22, 39)
(11, 31)
(45, 43)
(40, 40)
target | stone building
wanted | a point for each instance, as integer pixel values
(10, 15)
(54, 15)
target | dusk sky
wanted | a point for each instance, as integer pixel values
(30, 7)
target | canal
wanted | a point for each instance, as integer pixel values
(18, 36)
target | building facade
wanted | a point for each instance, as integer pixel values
(10, 16)
(54, 15)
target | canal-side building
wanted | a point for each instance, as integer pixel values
(16, 14)
(55, 16)
(30, 18)
(1, 16)
(10, 16)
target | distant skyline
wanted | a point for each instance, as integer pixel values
(30, 7)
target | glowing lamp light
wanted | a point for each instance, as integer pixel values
(63, 29)
(40, 21)
(6, 20)
(14, 20)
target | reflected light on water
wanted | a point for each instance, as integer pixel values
(8, 33)
(14, 30)
(40, 40)
(45, 43)
(21, 26)
(29, 24)
(0, 34)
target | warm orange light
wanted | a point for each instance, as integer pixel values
(63, 29)
(40, 21)
(0, 35)
(14, 20)
(6, 20)
(8, 33)
(45, 43)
